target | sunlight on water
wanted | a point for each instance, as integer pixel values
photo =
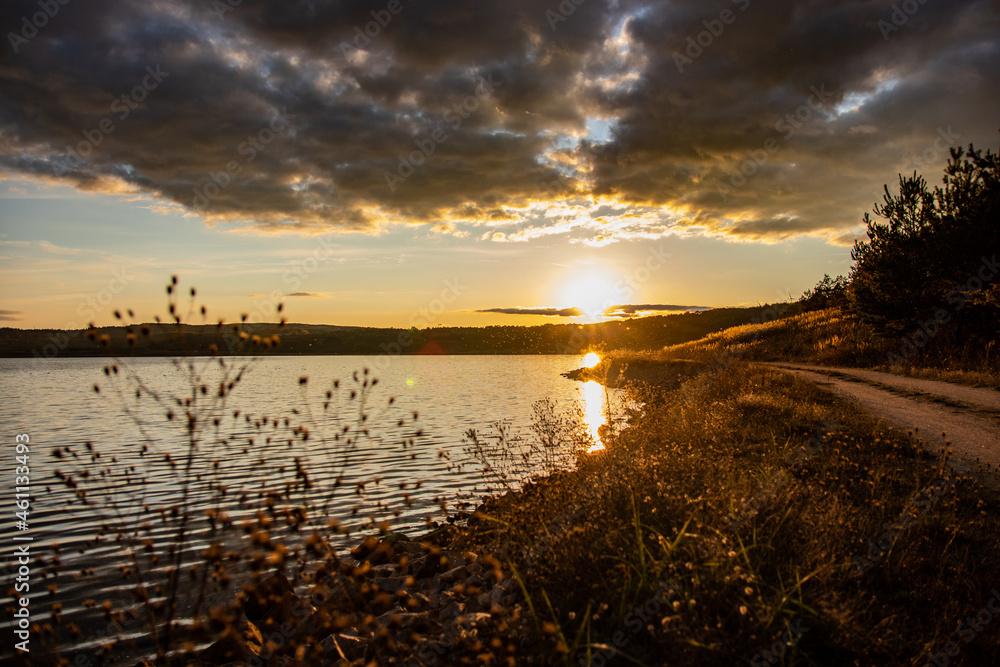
(593, 411)
(450, 394)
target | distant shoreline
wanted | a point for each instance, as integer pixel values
(278, 353)
(172, 340)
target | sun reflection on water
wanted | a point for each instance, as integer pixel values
(593, 411)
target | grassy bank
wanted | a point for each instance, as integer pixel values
(829, 337)
(745, 517)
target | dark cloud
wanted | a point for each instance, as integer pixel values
(547, 312)
(634, 309)
(311, 295)
(11, 315)
(287, 115)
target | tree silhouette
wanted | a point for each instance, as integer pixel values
(933, 251)
(828, 293)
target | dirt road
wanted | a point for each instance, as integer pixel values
(941, 414)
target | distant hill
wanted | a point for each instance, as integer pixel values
(320, 339)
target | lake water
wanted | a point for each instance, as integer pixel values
(250, 442)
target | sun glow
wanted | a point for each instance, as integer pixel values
(591, 294)
(590, 360)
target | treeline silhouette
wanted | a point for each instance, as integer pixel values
(928, 270)
(253, 338)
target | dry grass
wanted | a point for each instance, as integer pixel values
(739, 507)
(742, 511)
(830, 338)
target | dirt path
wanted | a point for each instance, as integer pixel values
(941, 414)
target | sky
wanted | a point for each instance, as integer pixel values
(408, 163)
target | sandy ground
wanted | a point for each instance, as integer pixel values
(941, 414)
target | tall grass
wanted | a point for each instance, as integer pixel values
(191, 546)
(508, 458)
(736, 510)
(833, 337)
(742, 516)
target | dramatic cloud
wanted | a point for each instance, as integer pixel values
(515, 119)
(547, 312)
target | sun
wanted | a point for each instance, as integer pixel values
(591, 359)
(592, 294)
